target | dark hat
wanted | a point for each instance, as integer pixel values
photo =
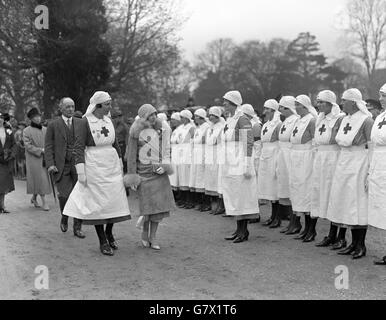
(5, 116)
(374, 103)
(33, 112)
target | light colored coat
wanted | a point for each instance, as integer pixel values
(37, 176)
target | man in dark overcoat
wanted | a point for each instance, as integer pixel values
(60, 161)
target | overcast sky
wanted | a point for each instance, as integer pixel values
(259, 19)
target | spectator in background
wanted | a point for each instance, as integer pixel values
(130, 121)
(7, 155)
(217, 102)
(20, 151)
(7, 118)
(37, 176)
(375, 107)
(190, 103)
(121, 132)
(13, 123)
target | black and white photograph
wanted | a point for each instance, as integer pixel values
(192, 150)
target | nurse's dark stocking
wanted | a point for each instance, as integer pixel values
(341, 241)
(331, 238)
(104, 245)
(110, 237)
(236, 233)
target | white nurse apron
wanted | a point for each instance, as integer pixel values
(103, 196)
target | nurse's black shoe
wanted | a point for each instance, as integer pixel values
(78, 229)
(326, 242)
(310, 237)
(268, 222)
(221, 208)
(275, 224)
(289, 226)
(359, 252)
(189, 206)
(232, 237)
(349, 250)
(112, 242)
(79, 234)
(3, 211)
(215, 207)
(311, 234)
(340, 244)
(180, 204)
(303, 234)
(296, 226)
(380, 262)
(242, 238)
(235, 234)
(205, 208)
(106, 249)
(354, 243)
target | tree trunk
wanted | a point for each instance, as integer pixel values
(17, 96)
(372, 91)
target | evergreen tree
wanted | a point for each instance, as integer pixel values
(209, 89)
(73, 56)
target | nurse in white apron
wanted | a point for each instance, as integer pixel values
(211, 160)
(301, 164)
(249, 111)
(99, 197)
(377, 174)
(175, 123)
(267, 178)
(288, 110)
(197, 169)
(238, 179)
(185, 158)
(326, 157)
(349, 198)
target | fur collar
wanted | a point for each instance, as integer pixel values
(142, 124)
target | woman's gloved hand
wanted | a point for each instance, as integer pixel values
(160, 171)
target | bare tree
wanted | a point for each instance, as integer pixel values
(142, 34)
(367, 28)
(356, 73)
(19, 81)
(215, 58)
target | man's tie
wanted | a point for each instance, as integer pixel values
(69, 123)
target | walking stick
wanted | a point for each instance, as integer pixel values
(52, 185)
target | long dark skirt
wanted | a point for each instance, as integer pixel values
(6, 178)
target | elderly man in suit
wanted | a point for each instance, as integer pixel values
(59, 146)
